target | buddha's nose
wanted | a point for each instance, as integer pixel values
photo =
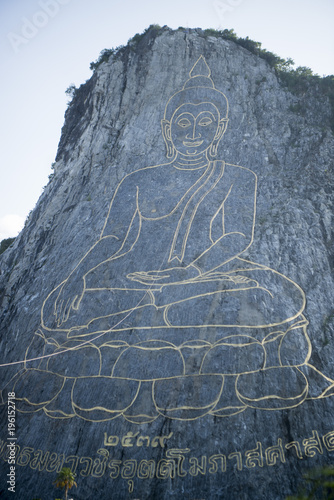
(194, 133)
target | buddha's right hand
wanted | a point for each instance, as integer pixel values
(69, 298)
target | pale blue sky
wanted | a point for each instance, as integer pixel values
(46, 45)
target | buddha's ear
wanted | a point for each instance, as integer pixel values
(222, 126)
(165, 126)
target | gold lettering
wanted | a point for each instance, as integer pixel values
(88, 468)
(164, 438)
(73, 460)
(37, 462)
(126, 440)
(296, 446)
(274, 452)
(99, 466)
(328, 440)
(179, 455)
(238, 456)
(196, 467)
(146, 469)
(254, 457)
(169, 467)
(214, 460)
(24, 457)
(129, 469)
(141, 439)
(165, 469)
(155, 442)
(114, 465)
(55, 463)
(311, 444)
(110, 440)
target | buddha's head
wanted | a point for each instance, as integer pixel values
(195, 117)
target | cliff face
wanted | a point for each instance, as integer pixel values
(187, 339)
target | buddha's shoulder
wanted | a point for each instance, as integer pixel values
(239, 171)
(151, 172)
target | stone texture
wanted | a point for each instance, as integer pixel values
(188, 409)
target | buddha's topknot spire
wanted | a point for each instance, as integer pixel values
(199, 75)
(198, 88)
(200, 68)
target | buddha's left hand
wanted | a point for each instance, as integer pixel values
(165, 276)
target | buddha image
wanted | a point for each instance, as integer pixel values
(163, 316)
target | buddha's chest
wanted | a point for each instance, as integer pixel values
(164, 203)
(184, 225)
(169, 194)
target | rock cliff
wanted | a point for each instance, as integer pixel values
(167, 317)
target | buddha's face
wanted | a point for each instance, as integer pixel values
(194, 127)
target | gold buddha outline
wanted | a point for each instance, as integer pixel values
(76, 338)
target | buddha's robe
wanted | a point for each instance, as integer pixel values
(228, 327)
(209, 226)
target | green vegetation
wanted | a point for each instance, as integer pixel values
(255, 47)
(65, 479)
(139, 36)
(107, 53)
(104, 56)
(320, 485)
(51, 176)
(4, 244)
(298, 80)
(71, 90)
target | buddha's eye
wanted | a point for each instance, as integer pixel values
(184, 123)
(205, 121)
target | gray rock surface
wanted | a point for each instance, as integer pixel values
(223, 388)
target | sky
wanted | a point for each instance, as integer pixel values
(47, 45)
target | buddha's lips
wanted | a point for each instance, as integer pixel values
(192, 144)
